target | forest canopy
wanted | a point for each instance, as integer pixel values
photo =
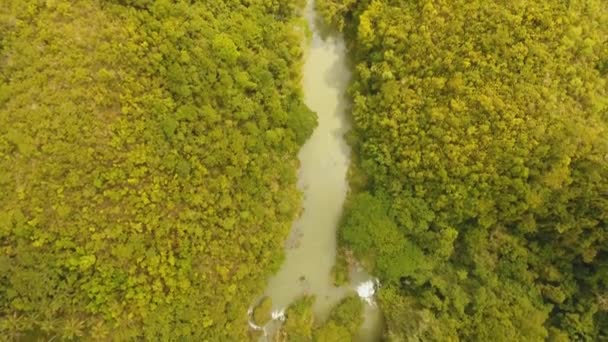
(148, 167)
(481, 140)
(147, 164)
(343, 323)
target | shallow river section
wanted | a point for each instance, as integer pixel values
(324, 162)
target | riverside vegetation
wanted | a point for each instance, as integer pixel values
(481, 172)
(342, 324)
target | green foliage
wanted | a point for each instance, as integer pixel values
(262, 312)
(147, 164)
(369, 231)
(347, 314)
(335, 11)
(340, 270)
(331, 332)
(298, 326)
(480, 133)
(302, 121)
(342, 325)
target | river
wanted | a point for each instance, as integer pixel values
(324, 162)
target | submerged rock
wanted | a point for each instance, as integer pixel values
(278, 315)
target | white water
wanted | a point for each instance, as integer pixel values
(367, 289)
(278, 315)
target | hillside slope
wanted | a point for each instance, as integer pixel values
(480, 129)
(147, 164)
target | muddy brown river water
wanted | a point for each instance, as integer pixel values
(324, 162)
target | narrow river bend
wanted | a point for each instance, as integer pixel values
(324, 162)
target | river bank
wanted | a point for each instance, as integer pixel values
(324, 163)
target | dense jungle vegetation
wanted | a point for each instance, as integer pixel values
(481, 135)
(147, 164)
(148, 167)
(342, 324)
